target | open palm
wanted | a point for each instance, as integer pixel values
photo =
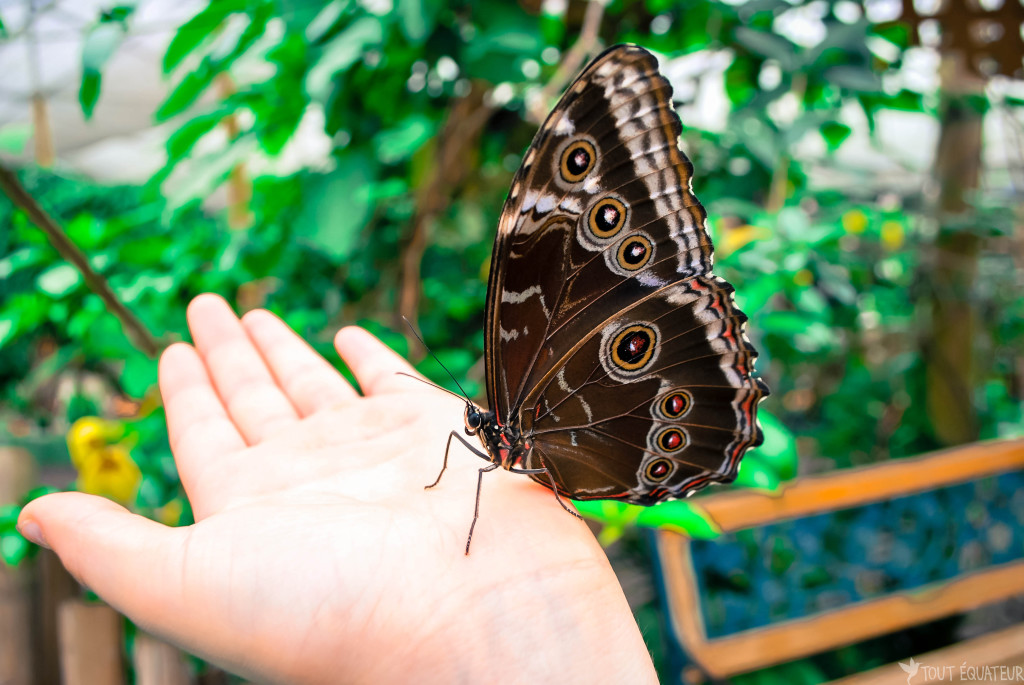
(317, 556)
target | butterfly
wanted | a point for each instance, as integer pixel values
(617, 364)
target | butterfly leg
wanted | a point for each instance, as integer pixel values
(530, 472)
(448, 447)
(476, 509)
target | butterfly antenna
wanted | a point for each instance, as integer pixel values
(418, 337)
(431, 384)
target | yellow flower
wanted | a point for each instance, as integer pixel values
(89, 435)
(892, 234)
(733, 239)
(105, 468)
(110, 473)
(855, 221)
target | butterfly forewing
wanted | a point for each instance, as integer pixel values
(608, 339)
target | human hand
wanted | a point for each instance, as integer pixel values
(317, 556)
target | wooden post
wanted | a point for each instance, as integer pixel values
(16, 476)
(239, 186)
(54, 586)
(42, 133)
(158, 663)
(90, 644)
(950, 348)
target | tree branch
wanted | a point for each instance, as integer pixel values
(134, 328)
(571, 62)
(466, 121)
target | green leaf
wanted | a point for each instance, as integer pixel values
(778, 450)
(895, 32)
(240, 35)
(13, 548)
(187, 91)
(341, 53)
(8, 517)
(401, 142)
(834, 134)
(905, 101)
(13, 138)
(857, 79)
(139, 375)
(609, 512)
(100, 44)
(684, 516)
(161, 284)
(59, 280)
(415, 20)
(196, 30)
(784, 323)
(228, 47)
(326, 20)
(208, 172)
(181, 141)
(8, 326)
(37, 492)
(766, 44)
(89, 92)
(740, 81)
(337, 206)
(3, 29)
(19, 259)
(117, 13)
(756, 474)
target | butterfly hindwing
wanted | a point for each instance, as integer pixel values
(664, 386)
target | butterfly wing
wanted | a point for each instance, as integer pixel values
(608, 339)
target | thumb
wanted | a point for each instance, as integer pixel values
(119, 555)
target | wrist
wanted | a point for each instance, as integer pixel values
(540, 625)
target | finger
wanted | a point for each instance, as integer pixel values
(198, 426)
(250, 394)
(119, 555)
(309, 382)
(373, 363)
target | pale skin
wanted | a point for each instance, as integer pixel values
(317, 555)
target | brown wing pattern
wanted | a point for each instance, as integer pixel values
(603, 317)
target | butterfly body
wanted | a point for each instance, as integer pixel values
(617, 365)
(505, 445)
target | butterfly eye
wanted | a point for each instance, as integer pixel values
(675, 405)
(633, 348)
(634, 252)
(658, 470)
(607, 218)
(671, 440)
(577, 161)
(473, 421)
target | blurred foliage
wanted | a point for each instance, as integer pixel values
(325, 122)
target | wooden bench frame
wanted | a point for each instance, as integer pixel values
(785, 641)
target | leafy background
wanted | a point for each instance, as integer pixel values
(420, 112)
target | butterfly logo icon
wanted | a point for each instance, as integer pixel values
(910, 669)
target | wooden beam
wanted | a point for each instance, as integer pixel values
(963, 662)
(842, 489)
(785, 641)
